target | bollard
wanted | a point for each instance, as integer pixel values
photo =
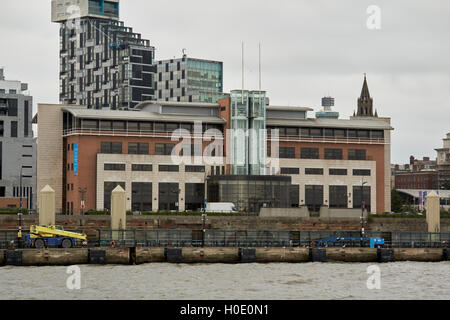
(97, 256)
(318, 255)
(13, 258)
(385, 255)
(173, 255)
(247, 255)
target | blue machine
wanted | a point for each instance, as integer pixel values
(339, 241)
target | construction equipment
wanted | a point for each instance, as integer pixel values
(54, 237)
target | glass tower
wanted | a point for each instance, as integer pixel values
(248, 132)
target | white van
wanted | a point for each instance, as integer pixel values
(221, 207)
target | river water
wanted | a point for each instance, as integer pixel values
(163, 281)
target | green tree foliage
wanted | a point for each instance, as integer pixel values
(396, 201)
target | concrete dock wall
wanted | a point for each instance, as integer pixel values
(54, 257)
(351, 255)
(282, 255)
(210, 255)
(126, 256)
(419, 254)
(149, 255)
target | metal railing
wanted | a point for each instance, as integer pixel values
(251, 238)
(268, 238)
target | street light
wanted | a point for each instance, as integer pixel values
(362, 207)
(19, 214)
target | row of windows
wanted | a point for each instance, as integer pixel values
(331, 172)
(136, 126)
(161, 149)
(313, 153)
(326, 133)
(149, 167)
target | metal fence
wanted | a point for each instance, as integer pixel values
(252, 238)
(268, 238)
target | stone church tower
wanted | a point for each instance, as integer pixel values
(365, 102)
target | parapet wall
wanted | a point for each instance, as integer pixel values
(90, 224)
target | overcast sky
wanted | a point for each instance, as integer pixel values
(311, 48)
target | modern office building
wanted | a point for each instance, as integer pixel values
(443, 163)
(103, 63)
(299, 161)
(17, 146)
(189, 80)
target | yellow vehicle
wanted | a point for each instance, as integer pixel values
(54, 237)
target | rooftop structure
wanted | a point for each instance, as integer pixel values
(103, 63)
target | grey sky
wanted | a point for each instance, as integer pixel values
(311, 48)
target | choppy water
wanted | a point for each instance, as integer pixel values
(407, 280)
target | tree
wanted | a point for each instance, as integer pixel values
(396, 201)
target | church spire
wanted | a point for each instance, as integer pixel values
(365, 102)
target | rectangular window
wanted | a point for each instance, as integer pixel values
(294, 196)
(338, 197)
(163, 149)
(364, 201)
(12, 107)
(338, 172)
(328, 133)
(316, 132)
(292, 132)
(89, 124)
(2, 128)
(195, 196)
(287, 152)
(340, 133)
(114, 167)
(168, 196)
(111, 147)
(195, 169)
(13, 129)
(333, 154)
(314, 197)
(169, 168)
(105, 125)
(377, 134)
(138, 148)
(290, 171)
(361, 172)
(142, 167)
(141, 197)
(314, 171)
(309, 153)
(358, 154)
(25, 116)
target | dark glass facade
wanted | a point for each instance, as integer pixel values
(251, 193)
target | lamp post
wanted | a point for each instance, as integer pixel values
(19, 214)
(82, 193)
(362, 207)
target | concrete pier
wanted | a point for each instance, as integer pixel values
(149, 255)
(54, 257)
(351, 255)
(419, 255)
(210, 255)
(127, 256)
(288, 255)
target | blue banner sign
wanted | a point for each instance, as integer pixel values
(75, 159)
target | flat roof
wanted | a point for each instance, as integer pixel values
(331, 123)
(415, 193)
(138, 115)
(289, 108)
(141, 105)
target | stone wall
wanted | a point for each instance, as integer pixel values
(89, 224)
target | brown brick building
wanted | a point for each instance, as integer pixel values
(84, 154)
